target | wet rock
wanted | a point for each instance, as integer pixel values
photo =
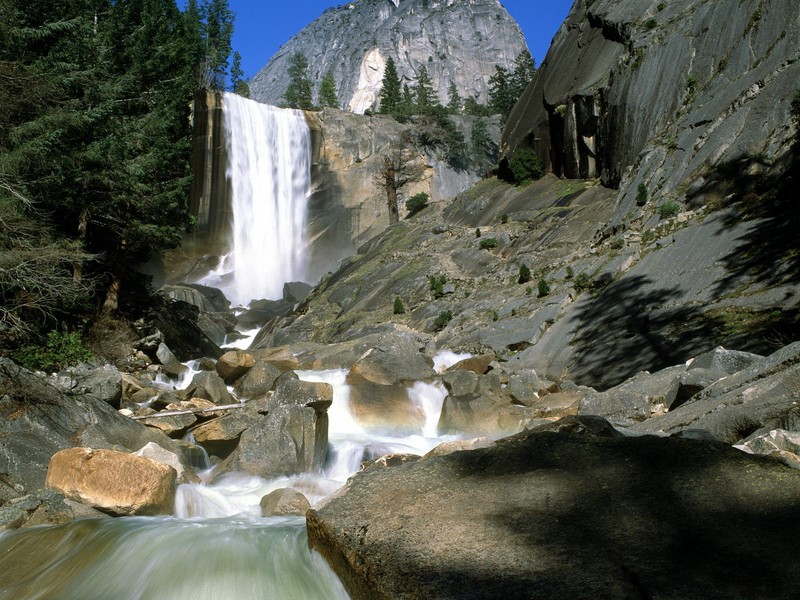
(296, 291)
(220, 436)
(498, 522)
(233, 364)
(155, 452)
(284, 503)
(209, 386)
(174, 426)
(259, 380)
(115, 482)
(171, 366)
(178, 322)
(44, 507)
(460, 382)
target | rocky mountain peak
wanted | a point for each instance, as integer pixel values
(458, 42)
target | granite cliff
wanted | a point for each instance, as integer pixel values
(458, 42)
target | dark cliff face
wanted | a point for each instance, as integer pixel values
(457, 41)
(666, 93)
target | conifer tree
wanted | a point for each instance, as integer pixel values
(453, 99)
(327, 91)
(390, 89)
(239, 84)
(298, 93)
(423, 93)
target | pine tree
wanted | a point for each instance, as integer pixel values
(327, 91)
(425, 100)
(239, 85)
(499, 93)
(522, 75)
(390, 89)
(298, 93)
(218, 35)
(453, 99)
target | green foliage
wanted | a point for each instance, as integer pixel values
(488, 243)
(505, 87)
(298, 92)
(524, 274)
(650, 23)
(661, 6)
(495, 316)
(424, 96)
(528, 290)
(582, 282)
(570, 272)
(477, 232)
(398, 309)
(443, 319)
(482, 143)
(239, 85)
(61, 350)
(327, 91)
(794, 111)
(670, 208)
(504, 218)
(416, 203)
(641, 195)
(544, 287)
(526, 166)
(453, 99)
(475, 108)
(390, 89)
(617, 244)
(436, 284)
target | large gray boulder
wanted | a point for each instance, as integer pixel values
(558, 515)
(103, 383)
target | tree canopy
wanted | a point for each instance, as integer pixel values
(95, 143)
(298, 92)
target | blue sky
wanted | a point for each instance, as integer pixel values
(262, 26)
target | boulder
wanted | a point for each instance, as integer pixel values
(209, 386)
(44, 507)
(296, 291)
(175, 426)
(177, 321)
(284, 502)
(378, 388)
(219, 302)
(460, 382)
(257, 381)
(114, 482)
(725, 361)
(220, 436)
(102, 383)
(170, 364)
(292, 437)
(233, 364)
(566, 516)
(523, 387)
(767, 442)
(155, 452)
(476, 364)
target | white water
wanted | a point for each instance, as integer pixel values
(269, 176)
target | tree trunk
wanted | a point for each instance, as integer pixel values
(111, 303)
(391, 199)
(83, 223)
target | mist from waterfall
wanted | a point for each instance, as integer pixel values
(269, 178)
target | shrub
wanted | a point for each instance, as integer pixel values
(60, 351)
(437, 285)
(528, 291)
(524, 274)
(650, 23)
(504, 219)
(488, 243)
(661, 6)
(582, 282)
(794, 110)
(399, 309)
(617, 244)
(641, 195)
(478, 232)
(570, 272)
(670, 208)
(544, 288)
(526, 166)
(495, 316)
(443, 319)
(416, 203)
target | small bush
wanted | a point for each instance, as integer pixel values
(526, 166)
(61, 350)
(661, 6)
(617, 244)
(544, 288)
(650, 24)
(641, 195)
(524, 274)
(437, 285)
(570, 272)
(670, 208)
(528, 291)
(582, 282)
(504, 219)
(399, 309)
(478, 232)
(443, 319)
(488, 243)
(416, 203)
(513, 312)
(495, 316)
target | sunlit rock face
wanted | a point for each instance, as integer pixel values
(457, 42)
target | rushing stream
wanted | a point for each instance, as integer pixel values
(216, 546)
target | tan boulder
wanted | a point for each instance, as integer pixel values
(114, 482)
(233, 364)
(283, 503)
(476, 364)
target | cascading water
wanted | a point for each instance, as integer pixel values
(269, 177)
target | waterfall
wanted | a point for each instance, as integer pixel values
(269, 180)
